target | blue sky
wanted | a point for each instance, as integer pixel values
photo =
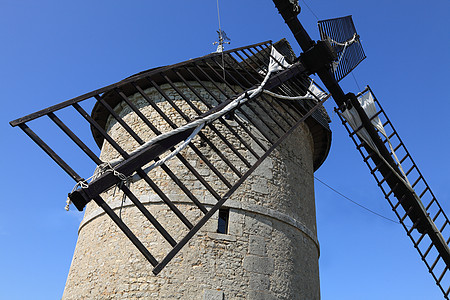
(55, 50)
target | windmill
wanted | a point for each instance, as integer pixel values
(112, 172)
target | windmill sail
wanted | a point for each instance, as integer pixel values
(402, 184)
(257, 127)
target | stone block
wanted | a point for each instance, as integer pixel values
(258, 225)
(260, 187)
(236, 222)
(213, 295)
(259, 282)
(260, 295)
(257, 264)
(257, 245)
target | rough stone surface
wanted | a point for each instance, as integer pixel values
(270, 251)
(213, 295)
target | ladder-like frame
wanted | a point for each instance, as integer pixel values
(231, 73)
(420, 214)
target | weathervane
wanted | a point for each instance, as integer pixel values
(223, 39)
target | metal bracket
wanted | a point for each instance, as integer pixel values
(318, 56)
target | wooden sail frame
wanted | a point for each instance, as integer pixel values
(243, 69)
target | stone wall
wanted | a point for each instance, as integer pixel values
(270, 251)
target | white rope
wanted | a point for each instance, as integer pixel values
(100, 170)
(309, 96)
(354, 39)
(82, 184)
(313, 94)
(136, 177)
(306, 97)
(68, 202)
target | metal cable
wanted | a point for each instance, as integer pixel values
(354, 202)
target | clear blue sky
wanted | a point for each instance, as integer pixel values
(55, 50)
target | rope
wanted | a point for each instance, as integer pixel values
(124, 196)
(310, 95)
(354, 39)
(356, 81)
(306, 97)
(100, 170)
(314, 14)
(136, 177)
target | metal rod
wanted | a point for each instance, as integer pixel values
(125, 126)
(100, 130)
(74, 138)
(148, 215)
(56, 158)
(126, 230)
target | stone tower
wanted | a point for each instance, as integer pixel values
(261, 245)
